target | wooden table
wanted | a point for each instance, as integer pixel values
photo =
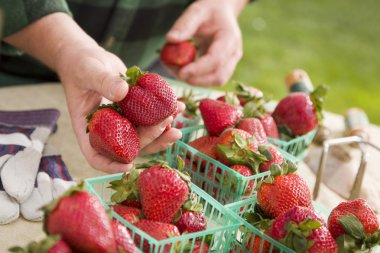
(22, 231)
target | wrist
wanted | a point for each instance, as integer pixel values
(235, 6)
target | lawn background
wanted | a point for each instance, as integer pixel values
(336, 42)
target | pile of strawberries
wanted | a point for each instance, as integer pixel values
(158, 200)
(78, 222)
(284, 211)
(112, 128)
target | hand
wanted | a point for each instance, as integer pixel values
(214, 27)
(89, 75)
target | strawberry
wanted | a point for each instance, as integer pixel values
(299, 108)
(162, 192)
(51, 244)
(238, 147)
(258, 245)
(199, 248)
(80, 218)
(178, 54)
(191, 222)
(254, 127)
(354, 225)
(132, 203)
(130, 214)
(190, 113)
(124, 242)
(112, 135)
(206, 145)
(273, 156)
(245, 171)
(302, 230)
(283, 190)
(244, 93)
(270, 126)
(150, 99)
(218, 116)
(157, 230)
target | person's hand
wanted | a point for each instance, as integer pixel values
(213, 25)
(90, 75)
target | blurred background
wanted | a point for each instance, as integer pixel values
(336, 42)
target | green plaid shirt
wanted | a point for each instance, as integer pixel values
(131, 29)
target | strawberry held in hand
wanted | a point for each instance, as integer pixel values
(150, 99)
(299, 113)
(283, 190)
(218, 115)
(82, 222)
(178, 54)
(354, 225)
(302, 230)
(112, 135)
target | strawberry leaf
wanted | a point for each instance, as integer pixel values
(232, 99)
(132, 75)
(352, 226)
(264, 150)
(318, 97)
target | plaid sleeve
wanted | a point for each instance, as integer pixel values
(20, 13)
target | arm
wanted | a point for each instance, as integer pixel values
(213, 25)
(88, 73)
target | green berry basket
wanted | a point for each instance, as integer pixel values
(183, 122)
(297, 146)
(241, 243)
(220, 181)
(222, 224)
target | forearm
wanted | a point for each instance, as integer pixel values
(47, 38)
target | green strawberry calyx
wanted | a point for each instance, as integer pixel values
(126, 187)
(188, 98)
(355, 237)
(255, 109)
(231, 99)
(318, 97)
(297, 234)
(286, 168)
(38, 247)
(243, 91)
(239, 153)
(132, 75)
(258, 218)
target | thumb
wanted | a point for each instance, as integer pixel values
(187, 25)
(105, 80)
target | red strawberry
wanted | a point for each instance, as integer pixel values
(270, 126)
(51, 244)
(236, 146)
(159, 231)
(247, 172)
(191, 222)
(354, 221)
(258, 245)
(130, 214)
(244, 93)
(302, 230)
(178, 54)
(132, 203)
(283, 190)
(150, 99)
(218, 116)
(206, 145)
(162, 192)
(297, 108)
(199, 248)
(254, 127)
(80, 218)
(273, 156)
(124, 242)
(113, 136)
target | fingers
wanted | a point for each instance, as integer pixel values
(163, 142)
(150, 133)
(180, 107)
(104, 78)
(187, 24)
(218, 64)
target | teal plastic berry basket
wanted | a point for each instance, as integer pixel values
(222, 224)
(181, 122)
(297, 146)
(247, 234)
(220, 181)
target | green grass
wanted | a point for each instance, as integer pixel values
(336, 42)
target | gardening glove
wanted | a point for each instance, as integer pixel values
(23, 135)
(53, 179)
